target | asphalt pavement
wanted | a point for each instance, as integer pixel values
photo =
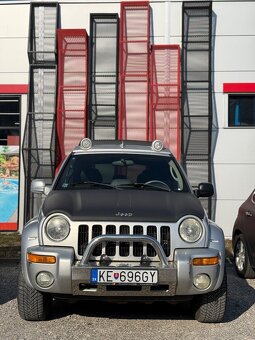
(90, 320)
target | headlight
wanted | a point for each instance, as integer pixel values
(57, 228)
(190, 230)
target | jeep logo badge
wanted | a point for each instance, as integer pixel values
(122, 214)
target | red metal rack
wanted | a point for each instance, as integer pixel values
(165, 96)
(72, 89)
(134, 71)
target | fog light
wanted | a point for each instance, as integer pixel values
(201, 281)
(157, 145)
(44, 279)
(86, 143)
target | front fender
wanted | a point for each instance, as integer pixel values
(217, 241)
(29, 238)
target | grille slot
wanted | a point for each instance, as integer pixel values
(138, 246)
(83, 238)
(97, 231)
(110, 248)
(151, 231)
(165, 239)
(124, 246)
(133, 250)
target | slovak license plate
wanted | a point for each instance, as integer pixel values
(123, 276)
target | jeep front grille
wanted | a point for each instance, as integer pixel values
(123, 249)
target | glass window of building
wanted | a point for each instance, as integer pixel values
(241, 110)
(9, 120)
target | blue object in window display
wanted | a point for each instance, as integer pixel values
(237, 115)
(8, 198)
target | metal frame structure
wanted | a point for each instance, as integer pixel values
(72, 89)
(196, 124)
(44, 20)
(134, 70)
(103, 76)
(39, 141)
(165, 96)
(39, 136)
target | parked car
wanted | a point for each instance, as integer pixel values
(122, 222)
(243, 239)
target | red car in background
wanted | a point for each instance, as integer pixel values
(243, 239)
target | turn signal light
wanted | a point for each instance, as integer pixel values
(206, 261)
(34, 258)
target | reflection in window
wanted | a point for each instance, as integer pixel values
(241, 110)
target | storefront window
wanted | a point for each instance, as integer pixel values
(241, 110)
(9, 161)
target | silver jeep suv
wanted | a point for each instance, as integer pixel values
(121, 222)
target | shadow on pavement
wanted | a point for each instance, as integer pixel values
(131, 311)
(241, 295)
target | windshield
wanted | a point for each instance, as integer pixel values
(121, 171)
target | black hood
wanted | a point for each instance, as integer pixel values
(119, 205)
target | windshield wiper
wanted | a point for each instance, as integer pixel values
(159, 186)
(93, 184)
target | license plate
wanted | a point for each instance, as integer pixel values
(123, 276)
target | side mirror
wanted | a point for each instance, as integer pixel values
(38, 187)
(204, 190)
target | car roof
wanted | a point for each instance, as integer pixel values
(121, 146)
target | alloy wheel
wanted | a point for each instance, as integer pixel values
(240, 255)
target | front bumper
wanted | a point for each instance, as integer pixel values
(174, 278)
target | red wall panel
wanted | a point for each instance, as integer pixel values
(8, 226)
(239, 87)
(14, 88)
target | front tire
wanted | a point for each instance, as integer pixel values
(210, 307)
(241, 259)
(32, 304)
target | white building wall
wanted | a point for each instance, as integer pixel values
(233, 61)
(14, 22)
